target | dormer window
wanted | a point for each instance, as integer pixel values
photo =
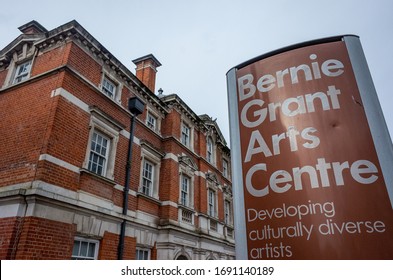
(22, 72)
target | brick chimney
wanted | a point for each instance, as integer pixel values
(146, 69)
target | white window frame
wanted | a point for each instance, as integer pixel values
(212, 203)
(108, 87)
(185, 134)
(148, 154)
(146, 178)
(141, 250)
(89, 242)
(225, 168)
(185, 198)
(228, 215)
(187, 171)
(100, 124)
(210, 150)
(25, 74)
(98, 140)
(152, 125)
(186, 212)
(109, 78)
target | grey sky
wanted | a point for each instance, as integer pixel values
(197, 42)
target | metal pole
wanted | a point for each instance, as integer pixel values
(126, 189)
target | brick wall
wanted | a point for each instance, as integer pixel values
(171, 125)
(169, 181)
(8, 232)
(69, 133)
(84, 64)
(43, 239)
(109, 247)
(148, 206)
(56, 175)
(50, 59)
(3, 75)
(25, 112)
(168, 213)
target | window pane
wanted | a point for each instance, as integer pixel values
(83, 249)
(101, 161)
(92, 248)
(75, 250)
(142, 254)
(93, 145)
(99, 170)
(146, 186)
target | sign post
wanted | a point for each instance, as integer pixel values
(312, 158)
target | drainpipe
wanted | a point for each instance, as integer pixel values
(136, 107)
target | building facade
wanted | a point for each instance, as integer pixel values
(65, 129)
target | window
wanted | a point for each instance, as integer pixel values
(99, 150)
(149, 170)
(142, 254)
(22, 72)
(185, 135)
(213, 225)
(102, 144)
(212, 203)
(147, 178)
(108, 87)
(209, 153)
(225, 168)
(187, 168)
(227, 212)
(185, 190)
(85, 249)
(151, 121)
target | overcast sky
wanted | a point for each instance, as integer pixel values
(197, 42)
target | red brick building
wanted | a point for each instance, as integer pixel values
(65, 129)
